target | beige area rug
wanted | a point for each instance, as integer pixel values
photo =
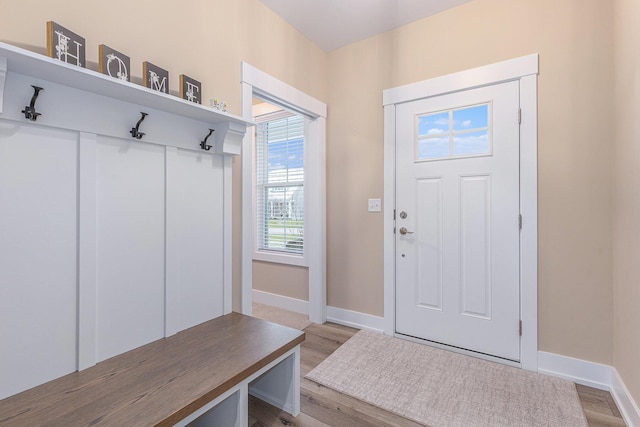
(439, 388)
(280, 316)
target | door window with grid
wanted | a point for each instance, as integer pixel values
(280, 183)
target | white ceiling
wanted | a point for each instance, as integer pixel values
(335, 23)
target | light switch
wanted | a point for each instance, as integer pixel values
(375, 205)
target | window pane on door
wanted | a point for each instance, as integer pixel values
(472, 143)
(433, 148)
(432, 124)
(476, 117)
(458, 132)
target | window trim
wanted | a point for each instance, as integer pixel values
(256, 82)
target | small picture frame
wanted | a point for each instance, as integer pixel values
(113, 63)
(190, 89)
(65, 45)
(155, 78)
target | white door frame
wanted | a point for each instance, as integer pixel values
(523, 69)
(256, 82)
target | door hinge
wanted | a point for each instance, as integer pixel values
(520, 221)
(394, 214)
(519, 115)
(521, 328)
(394, 230)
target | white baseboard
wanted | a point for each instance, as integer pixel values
(579, 371)
(595, 375)
(627, 406)
(341, 316)
(355, 319)
(280, 301)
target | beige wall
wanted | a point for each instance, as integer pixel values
(626, 167)
(204, 39)
(574, 39)
(287, 280)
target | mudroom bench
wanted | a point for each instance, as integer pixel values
(198, 377)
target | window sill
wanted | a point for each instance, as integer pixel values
(280, 258)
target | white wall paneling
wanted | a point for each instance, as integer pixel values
(199, 237)
(130, 241)
(38, 249)
(106, 242)
(172, 318)
(87, 250)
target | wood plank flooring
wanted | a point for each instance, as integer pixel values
(321, 406)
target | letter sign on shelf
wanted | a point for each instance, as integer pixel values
(155, 78)
(113, 63)
(190, 89)
(65, 45)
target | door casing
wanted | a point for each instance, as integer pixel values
(524, 70)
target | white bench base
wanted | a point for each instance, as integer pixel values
(278, 384)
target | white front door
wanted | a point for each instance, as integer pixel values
(457, 220)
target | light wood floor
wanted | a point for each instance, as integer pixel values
(321, 406)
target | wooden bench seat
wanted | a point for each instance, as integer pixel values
(161, 383)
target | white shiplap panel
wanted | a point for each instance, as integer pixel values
(130, 245)
(38, 246)
(199, 237)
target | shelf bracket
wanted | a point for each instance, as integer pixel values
(229, 138)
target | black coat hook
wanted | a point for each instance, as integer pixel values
(135, 132)
(203, 144)
(30, 110)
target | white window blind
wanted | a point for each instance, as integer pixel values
(280, 183)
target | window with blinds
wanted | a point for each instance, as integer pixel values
(280, 183)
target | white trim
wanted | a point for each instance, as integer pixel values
(389, 242)
(171, 276)
(87, 250)
(525, 70)
(529, 231)
(511, 69)
(627, 406)
(579, 371)
(280, 92)
(246, 274)
(281, 257)
(227, 238)
(257, 82)
(603, 377)
(355, 319)
(3, 78)
(280, 301)
(315, 214)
